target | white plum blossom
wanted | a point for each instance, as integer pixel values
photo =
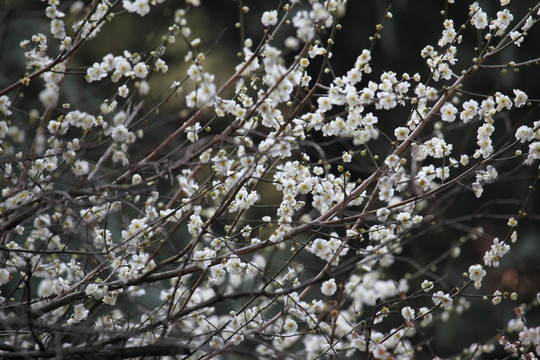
(4, 276)
(269, 18)
(408, 313)
(448, 112)
(520, 99)
(5, 104)
(202, 258)
(470, 110)
(427, 285)
(140, 70)
(141, 7)
(79, 314)
(517, 37)
(476, 274)
(401, 133)
(440, 298)
(290, 326)
(119, 133)
(495, 253)
(480, 20)
(123, 91)
(81, 167)
(329, 287)
(235, 266)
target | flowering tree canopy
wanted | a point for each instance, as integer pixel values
(262, 199)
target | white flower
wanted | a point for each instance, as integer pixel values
(5, 103)
(289, 275)
(503, 102)
(517, 37)
(217, 274)
(80, 167)
(122, 67)
(329, 287)
(269, 18)
(448, 112)
(140, 7)
(534, 151)
(95, 73)
(161, 65)
(403, 216)
(290, 326)
(401, 133)
(140, 70)
(4, 276)
(393, 161)
(477, 188)
(497, 297)
(119, 133)
(520, 99)
(49, 97)
(123, 91)
(470, 109)
(94, 290)
(144, 88)
(318, 170)
(216, 342)
(387, 100)
(425, 314)
(193, 72)
(476, 274)
(480, 19)
(79, 314)
(441, 298)
(524, 133)
(382, 214)
(237, 339)
(136, 179)
(202, 257)
(324, 103)
(427, 285)
(408, 313)
(235, 266)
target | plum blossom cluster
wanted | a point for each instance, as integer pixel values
(527, 343)
(291, 209)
